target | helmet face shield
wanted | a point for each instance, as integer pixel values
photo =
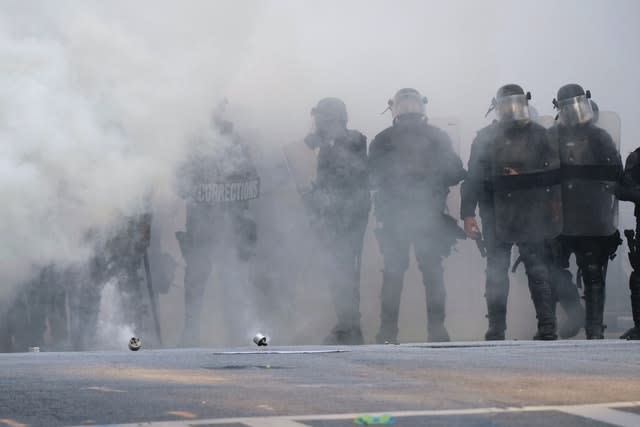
(575, 111)
(407, 102)
(513, 108)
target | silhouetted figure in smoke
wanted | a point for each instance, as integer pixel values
(412, 165)
(339, 204)
(118, 258)
(217, 182)
(591, 167)
(514, 178)
(39, 305)
(629, 190)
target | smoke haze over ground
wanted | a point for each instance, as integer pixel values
(98, 100)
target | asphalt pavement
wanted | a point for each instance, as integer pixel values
(520, 383)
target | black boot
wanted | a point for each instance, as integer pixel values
(338, 336)
(390, 307)
(497, 315)
(569, 300)
(634, 286)
(436, 331)
(594, 295)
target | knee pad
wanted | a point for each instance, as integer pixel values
(593, 273)
(537, 272)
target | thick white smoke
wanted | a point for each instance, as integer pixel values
(96, 103)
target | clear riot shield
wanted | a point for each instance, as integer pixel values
(591, 168)
(527, 192)
(546, 121)
(610, 121)
(451, 125)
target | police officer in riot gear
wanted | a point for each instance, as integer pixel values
(339, 203)
(513, 178)
(412, 165)
(590, 166)
(629, 190)
(217, 182)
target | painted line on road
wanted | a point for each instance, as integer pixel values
(266, 422)
(606, 415)
(604, 412)
(11, 423)
(103, 389)
(227, 353)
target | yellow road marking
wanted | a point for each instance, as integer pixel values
(11, 423)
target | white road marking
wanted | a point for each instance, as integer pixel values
(226, 353)
(603, 412)
(606, 415)
(266, 422)
(104, 389)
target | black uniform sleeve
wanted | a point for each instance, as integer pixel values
(473, 184)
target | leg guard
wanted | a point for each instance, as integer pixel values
(594, 293)
(345, 292)
(497, 291)
(436, 299)
(542, 295)
(390, 307)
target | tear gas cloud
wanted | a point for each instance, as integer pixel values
(99, 99)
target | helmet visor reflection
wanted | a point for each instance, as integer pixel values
(575, 111)
(513, 108)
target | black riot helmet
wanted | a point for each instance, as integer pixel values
(407, 101)
(573, 105)
(330, 117)
(330, 109)
(511, 104)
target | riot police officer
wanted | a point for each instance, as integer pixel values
(412, 165)
(340, 202)
(513, 177)
(217, 182)
(629, 190)
(590, 168)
